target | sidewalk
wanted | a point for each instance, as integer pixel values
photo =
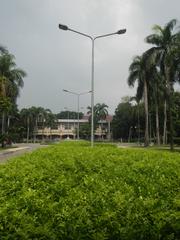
(18, 150)
(11, 150)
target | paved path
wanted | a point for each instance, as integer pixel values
(18, 149)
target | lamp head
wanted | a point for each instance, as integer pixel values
(63, 27)
(121, 31)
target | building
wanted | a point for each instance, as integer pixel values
(67, 128)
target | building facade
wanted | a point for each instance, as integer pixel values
(67, 128)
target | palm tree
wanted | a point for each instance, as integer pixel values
(11, 75)
(3, 50)
(101, 112)
(136, 113)
(11, 79)
(51, 120)
(155, 94)
(166, 42)
(138, 72)
(26, 115)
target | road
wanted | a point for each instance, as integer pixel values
(18, 149)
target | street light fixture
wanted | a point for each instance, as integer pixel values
(78, 95)
(121, 31)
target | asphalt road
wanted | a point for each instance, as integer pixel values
(18, 149)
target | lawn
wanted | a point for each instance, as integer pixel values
(71, 191)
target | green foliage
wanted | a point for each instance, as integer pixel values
(128, 120)
(5, 104)
(69, 114)
(71, 191)
(85, 131)
(100, 112)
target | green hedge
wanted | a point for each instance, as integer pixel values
(71, 191)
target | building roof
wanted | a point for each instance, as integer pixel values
(85, 119)
(72, 120)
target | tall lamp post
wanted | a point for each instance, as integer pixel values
(78, 95)
(68, 119)
(121, 31)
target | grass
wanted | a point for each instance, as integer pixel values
(71, 191)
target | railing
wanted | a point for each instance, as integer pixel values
(60, 132)
(55, 132)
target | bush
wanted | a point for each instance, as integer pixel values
(71, 191)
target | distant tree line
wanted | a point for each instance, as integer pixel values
(128, 123)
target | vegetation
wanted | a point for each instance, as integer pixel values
(100, 112)
(129, 122)
(71, 191)
(69, 114)
(34, 118)
(156, 71)
(11, 80)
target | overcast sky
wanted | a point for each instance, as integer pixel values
(56, 59)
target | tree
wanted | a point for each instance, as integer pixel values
(100, 112)
(85, 131)
(26, 117)
(11, 76)
(3, 50)
(155, 93)
(136, 113)
(127, 118)
(11, 80)
(138, 72)
(70, 114)
(176, 114)
(166, 42)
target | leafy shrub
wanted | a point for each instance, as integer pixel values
(71, 191)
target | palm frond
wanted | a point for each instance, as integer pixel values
(171, 24)
(3, 50)
(154, 39)
(133, 76)
(157, 28)
(140, 91)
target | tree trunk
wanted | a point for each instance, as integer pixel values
(150, 128)
(3, 130)
(27, 140)
(146, 136)
(35, 130)
(43, 131)
(169, 94)
(157, 123)
(3, 123)
(156, 100)
(165, 123)
(109, 130)
(8, 123)
(138, 126)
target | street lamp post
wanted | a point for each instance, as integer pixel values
(68, 119)
(78, 96)
(121, 31)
